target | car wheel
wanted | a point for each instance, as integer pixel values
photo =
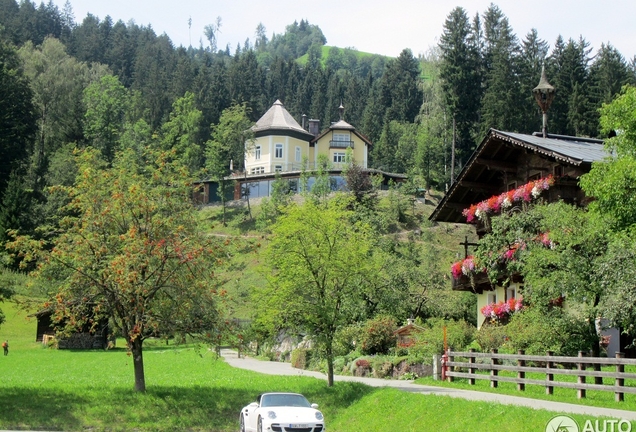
(260, 425)
(242, 424)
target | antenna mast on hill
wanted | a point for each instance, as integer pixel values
(190, 30)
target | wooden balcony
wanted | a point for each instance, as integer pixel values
(478, 284)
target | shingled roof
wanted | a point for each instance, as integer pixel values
(501, 151)
(278, 119)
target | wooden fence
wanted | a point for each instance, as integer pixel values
(549, 365)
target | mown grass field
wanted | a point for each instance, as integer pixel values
(189, 389)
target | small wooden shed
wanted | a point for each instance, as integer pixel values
(405, 334)
(84, 339)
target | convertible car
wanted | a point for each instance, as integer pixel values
(281, 412)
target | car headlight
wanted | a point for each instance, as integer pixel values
(319, 415)
(271, 414)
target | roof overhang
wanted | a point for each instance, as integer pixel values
(502, 153)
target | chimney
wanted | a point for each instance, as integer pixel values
(314, 127)
(304, 121)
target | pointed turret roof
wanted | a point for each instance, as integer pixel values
(278, 119)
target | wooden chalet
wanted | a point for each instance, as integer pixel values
(504, 161)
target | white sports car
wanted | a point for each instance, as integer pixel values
(281, 412)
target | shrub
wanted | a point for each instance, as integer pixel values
(491, 336)
(344, 340)
(378, 335)
(430, 341)
(300, 358)
(537, 331)
(382, 367)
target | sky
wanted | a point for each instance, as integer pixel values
(380, 27)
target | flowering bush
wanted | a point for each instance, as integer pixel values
(497, 203)
(502, 309)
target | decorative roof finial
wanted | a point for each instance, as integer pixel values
(341, 111)
(544, 95)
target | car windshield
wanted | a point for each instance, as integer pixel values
(292, 400)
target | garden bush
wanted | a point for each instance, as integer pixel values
(378, 335)
(345, 340)
(430, 341)
(537, 331)
(300, 358)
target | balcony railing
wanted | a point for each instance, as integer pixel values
(341, 144)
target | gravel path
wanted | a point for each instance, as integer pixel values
(279, 368)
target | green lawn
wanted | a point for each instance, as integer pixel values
(190, 389)
(593, 397)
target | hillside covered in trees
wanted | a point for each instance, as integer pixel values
(480, 75)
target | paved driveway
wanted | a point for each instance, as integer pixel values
(279, 368)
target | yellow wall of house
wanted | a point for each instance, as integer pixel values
(289, 162)
(360, 155)
(499, 294)
(268, 160)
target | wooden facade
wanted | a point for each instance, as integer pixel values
(84, 339)
(505, 161)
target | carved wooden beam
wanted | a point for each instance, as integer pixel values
(480, 186)
(497, 165)
(456, 205)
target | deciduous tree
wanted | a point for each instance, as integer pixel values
(131, 251)
(319, 263)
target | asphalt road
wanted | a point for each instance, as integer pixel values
(279, 368)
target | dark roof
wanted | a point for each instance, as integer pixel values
(573, 150)
(501, 152)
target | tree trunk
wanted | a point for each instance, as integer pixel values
(329, 365)
(138, 362)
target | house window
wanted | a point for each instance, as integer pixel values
(339, 157)
(278, 168)
(512, 186)
(511, 293)
(492, 298)
(298, 154)
(258, 170)
(558, 171)
(278, 152)
(534, 177)
(340, 137)
(257, 152)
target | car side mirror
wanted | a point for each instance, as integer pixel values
(314, 406)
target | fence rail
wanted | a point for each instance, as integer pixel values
(548, 365)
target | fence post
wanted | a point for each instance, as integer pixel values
(619, 396)
(548, 376)
(521, 374)
(581, 378)
(493, 372)
(471, 370)
(450, 359)
(598, 379)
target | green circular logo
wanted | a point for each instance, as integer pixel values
(562, 424)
